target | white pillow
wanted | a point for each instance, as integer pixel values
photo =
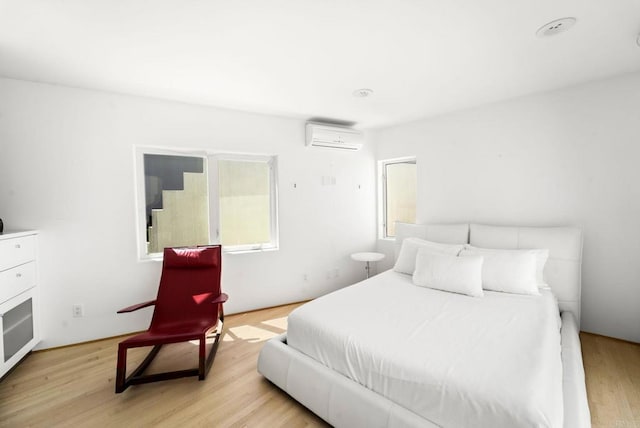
(507, 271)
(449, 273)
(541, 255)
(406, 262)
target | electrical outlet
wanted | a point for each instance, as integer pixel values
(78, 310)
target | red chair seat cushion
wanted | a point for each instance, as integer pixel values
(169, 334)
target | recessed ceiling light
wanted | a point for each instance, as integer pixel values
(363, 93)
(638, 40)
(555, 27)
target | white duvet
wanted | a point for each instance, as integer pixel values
(455, 360)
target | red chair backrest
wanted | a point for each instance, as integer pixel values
(190, 281)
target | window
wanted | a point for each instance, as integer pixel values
(195, 198)
(246, 201)
(398, 187)
(171, 184)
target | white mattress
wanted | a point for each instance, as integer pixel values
(456, 361)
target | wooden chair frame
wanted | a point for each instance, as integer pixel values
(138, 377)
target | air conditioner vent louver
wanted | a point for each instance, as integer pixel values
(333, 137)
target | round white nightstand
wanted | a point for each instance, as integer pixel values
(367, 257)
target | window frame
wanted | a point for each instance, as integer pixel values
(214, 200)
(213, 213)
(382, 192)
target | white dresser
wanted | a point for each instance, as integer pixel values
(19, 330)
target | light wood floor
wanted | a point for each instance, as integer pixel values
(74, 386)
(612, 371)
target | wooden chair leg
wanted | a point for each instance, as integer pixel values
(121, 369)
(214, 347)
(202, 357)
(122, 381)
(212, 354)
(206, 361)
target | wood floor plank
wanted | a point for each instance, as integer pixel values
(612, 371)
(74, 386)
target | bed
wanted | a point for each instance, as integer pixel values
(380, 353)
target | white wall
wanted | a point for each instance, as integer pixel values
(67, 169)
(570, 157)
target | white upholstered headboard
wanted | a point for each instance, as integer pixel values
(443, 233)
(562, 271)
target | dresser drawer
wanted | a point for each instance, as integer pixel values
(17, 251)
(17, 280)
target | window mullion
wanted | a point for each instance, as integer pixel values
(214, 199)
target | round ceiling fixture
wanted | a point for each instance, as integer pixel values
(363, 93)
(555, 27)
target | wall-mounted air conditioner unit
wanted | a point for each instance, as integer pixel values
(333, 137)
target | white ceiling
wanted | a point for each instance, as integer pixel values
(304, 58)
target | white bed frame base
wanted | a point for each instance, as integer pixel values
(335, 398)
(345, 403)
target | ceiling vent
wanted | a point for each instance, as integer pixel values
(363, 93)
(555, 27)
(333, 137)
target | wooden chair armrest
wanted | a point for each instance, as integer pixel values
(223, 297)
(138, 306)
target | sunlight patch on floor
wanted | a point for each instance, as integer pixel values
(250, 333)
(277, 323)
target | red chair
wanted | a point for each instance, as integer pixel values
(188, 307)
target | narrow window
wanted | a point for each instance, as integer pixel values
(399, 183)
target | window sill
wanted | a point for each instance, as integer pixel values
(151, 258)
(252, 250)
(159, 257)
